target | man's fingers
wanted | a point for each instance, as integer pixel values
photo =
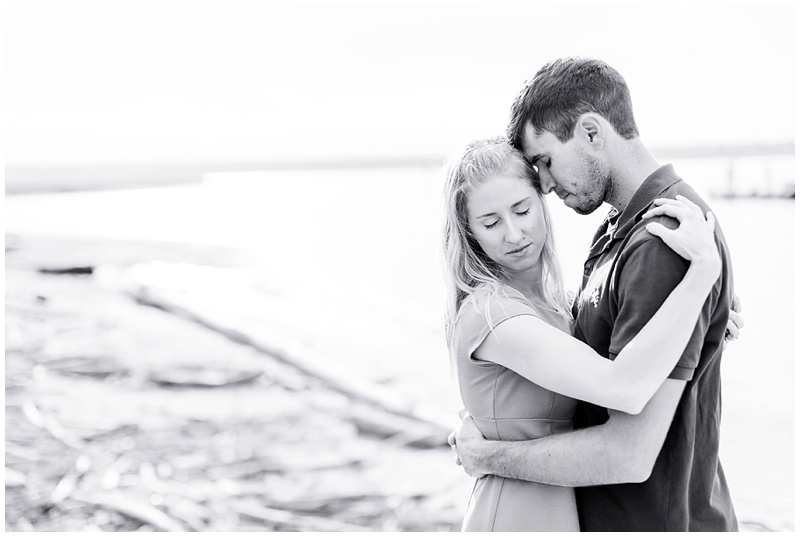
(462, 413)
(451, 439)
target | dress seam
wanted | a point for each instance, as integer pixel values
(494, 403)
(497, 504)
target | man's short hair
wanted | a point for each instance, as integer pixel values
(565, 89)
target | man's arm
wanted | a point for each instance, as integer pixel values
(622, 450)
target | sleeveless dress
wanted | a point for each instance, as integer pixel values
(506, 406)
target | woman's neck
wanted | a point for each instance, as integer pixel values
(528, 283)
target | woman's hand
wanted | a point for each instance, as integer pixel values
(693, 239)
(735, 321)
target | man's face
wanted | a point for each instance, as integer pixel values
(581, 179)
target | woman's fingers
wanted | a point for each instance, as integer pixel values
(732, 332)
(680, 201)
(677, 211)
(695, 207)
(659, 230)
(680, 209)
(711, 221)
(737, 303)
(735, 319)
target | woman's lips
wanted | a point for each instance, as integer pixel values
(519, 250)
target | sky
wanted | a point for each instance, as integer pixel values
(146, 82)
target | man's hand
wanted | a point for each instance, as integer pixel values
(468, 445)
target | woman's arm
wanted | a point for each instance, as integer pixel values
(558, 362)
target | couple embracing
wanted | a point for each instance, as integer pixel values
(598, 412)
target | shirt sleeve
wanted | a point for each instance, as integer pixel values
(647, 273)
(483, 313)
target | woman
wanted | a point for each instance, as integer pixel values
(519, 370)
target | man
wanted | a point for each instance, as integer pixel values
(658, 470)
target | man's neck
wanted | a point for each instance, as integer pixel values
(631, 165)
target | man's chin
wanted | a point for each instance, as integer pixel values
(583, 209)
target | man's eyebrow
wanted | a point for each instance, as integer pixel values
(513, 206)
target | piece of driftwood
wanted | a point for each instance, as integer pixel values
(203, 377)
(310, 362)
(82, 270)
(397, 429)
(191, 514)
(15, 478)
(23, 453)
(65, 487)
(291, 520)
(136, 510)
(106, 433)
(49, 424)
(87, 366)
(283, 463)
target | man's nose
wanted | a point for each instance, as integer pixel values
(546, 183)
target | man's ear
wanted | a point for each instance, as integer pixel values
(589, 129)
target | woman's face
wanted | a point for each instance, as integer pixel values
(506, 217)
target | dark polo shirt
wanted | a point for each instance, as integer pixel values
(627, 276)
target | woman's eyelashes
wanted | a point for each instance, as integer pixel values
(518, 213)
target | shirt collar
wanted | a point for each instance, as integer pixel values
(655, 184)
(616, 225)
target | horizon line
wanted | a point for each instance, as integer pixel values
(29, 180)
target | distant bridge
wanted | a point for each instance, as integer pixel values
(733, 151)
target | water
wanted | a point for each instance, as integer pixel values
(374, 235)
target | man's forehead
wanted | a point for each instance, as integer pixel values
(532, 143)
(535, 145)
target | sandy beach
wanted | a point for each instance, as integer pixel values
(123, 417)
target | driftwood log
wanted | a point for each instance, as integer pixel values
(380, 410)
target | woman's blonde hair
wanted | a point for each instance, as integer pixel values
(466, 264)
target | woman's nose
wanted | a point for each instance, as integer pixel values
(513, 233)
